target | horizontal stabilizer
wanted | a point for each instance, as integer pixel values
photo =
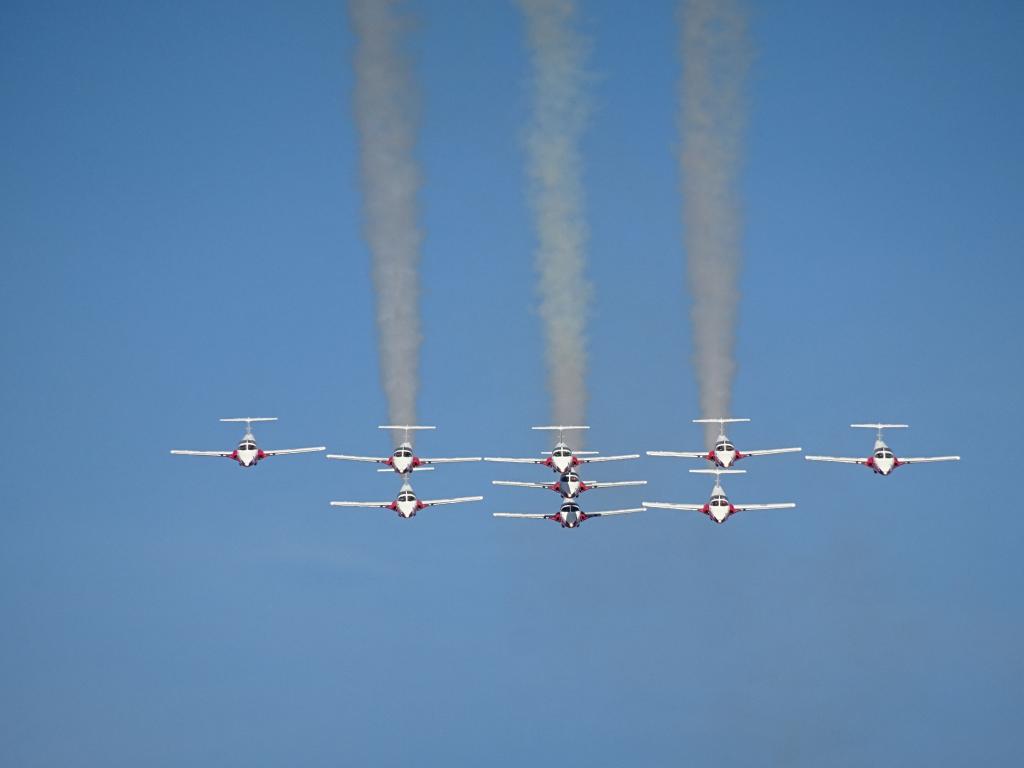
(561, 428)
(414, 469)
(879, 426)
(719, 421)
(406, 427)
(252, 418)
(719, 471)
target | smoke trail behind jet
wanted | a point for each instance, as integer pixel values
(715, 55)
(386, 102)
(560, 111)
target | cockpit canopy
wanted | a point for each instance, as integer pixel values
(247, 445)
(571, 509)
(403, 453)
(884, 453)
(570, 477)
(725, 446)
(407, 496)
(719, 501)
(561, 453)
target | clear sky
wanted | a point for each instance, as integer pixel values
(181, 241)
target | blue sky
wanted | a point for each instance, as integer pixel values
(181, 241)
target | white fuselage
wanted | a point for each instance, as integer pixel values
(724, 454)
(403, 460)
(569, 486)
(247, 453)
(561, 459)
(882, 461)
(406, 504)
(718, 507)
(569, 515)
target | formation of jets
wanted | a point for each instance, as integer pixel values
(567, 463)
(563, 460)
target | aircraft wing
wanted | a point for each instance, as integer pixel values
(283, 451)
(839, 459)
(222, 454)
(680, 454)
(666, 505)
(926, 459)
(366, 504)
(345, 457)
(611, 512)
(593, 459)
(517, 484)
(514, 461)
(617, 484)
(449, 461)
(771, 451)
(458, 500)
(521, 515)
(754, 507)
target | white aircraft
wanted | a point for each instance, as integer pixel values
(403, 460)
(569, 485)
(882, 461)
(405, 504)
(562, 458)
(247, 454)
(718, 507)
(569, 515)
(724, 454)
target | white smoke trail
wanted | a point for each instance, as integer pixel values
(556, 194)
(715, 56)
(386, 101)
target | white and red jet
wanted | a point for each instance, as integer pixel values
(402, 460)
(562, 458)
(570, 485)
(248, 454)
(717, 507)
(406, 504)
(569, 515)
(882, 460)
(724, 454)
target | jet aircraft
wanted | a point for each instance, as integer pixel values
(402, 460)
(724, 453)
(248, 454)
(569, 485)
(718, 507)
(406, 504)
(882, 460)
(569, 514)
(562, 458)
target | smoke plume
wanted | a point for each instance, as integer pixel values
(557, 57)
(386, 101)
(715, 55)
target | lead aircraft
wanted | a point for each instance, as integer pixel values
(406, 504)
(882, 460)
(570, 485)
(717, 507)
(403, 460)
(562, 458)
(248, 454)
(569, 514)
(724, 454)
